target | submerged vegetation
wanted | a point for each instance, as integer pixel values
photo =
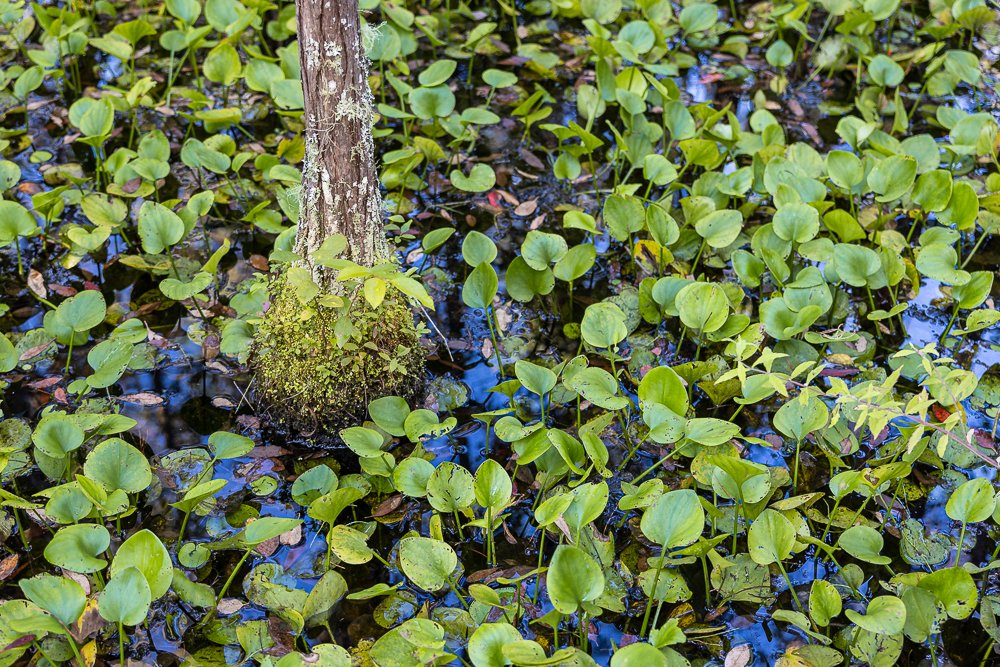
(705, 297)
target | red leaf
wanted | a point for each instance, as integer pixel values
(940, 412)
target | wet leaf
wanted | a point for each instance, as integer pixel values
(126, 598)
(428, 563)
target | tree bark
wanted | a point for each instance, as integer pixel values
(340, 185)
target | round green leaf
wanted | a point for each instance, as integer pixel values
(525, 283)
(703, 306)
(487, 642)
(480, 179)
(450, 488)
(639, 655)
(15, 221)
(603, 325)
(540, 249)
(573, 578)
(57, 434)
(426, 562)
(576, 262)
(539, 380)
(480, 287)
(972, 502)
(675, 520)
(222, 64)
(115, 464)
(159, 227)
(63, 598)
(432, 102)
(954, 589)
(411, 476)
(938, 262)
(437, 73)
(478, 248)
(885, 615)
(771, 538)
(492, 485)
(796, 222)
(75, 548)
(145, 552)
(664, 386)
(890, 178)
(864, 543)
(720, 228)
(126, 598)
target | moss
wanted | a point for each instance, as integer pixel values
(317, 367)
(360, 654)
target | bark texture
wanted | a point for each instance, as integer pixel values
(312, 372)
(340, 186)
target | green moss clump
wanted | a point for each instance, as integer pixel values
(318, 365)
(360, 654)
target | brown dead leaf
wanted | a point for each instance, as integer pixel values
(7, 566)
(509, 198)
(228, 606)
(80, 579)
(223, 402)
(248, 422)
(481, 575)
(810, 129)
(388, 506)
(509, 536)
(739, 656)
(24, 312)
(45, 383)
(62, 290)
(564, 527)
(503, 318)
(89, 623)
(36, 283)
(268, 547)
(267, 452)
(531, 159)
(526, 208)
(32, 352)
(983, 439)
(217, 366)
(292, 537)
(259, 262)
(142, 398)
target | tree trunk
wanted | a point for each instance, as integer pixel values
(340, 186)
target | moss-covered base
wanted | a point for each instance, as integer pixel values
(318, 367)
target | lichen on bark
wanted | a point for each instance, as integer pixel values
(340, 187)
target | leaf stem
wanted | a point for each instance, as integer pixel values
(791, 588)
(649, 600)
(232, 575)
